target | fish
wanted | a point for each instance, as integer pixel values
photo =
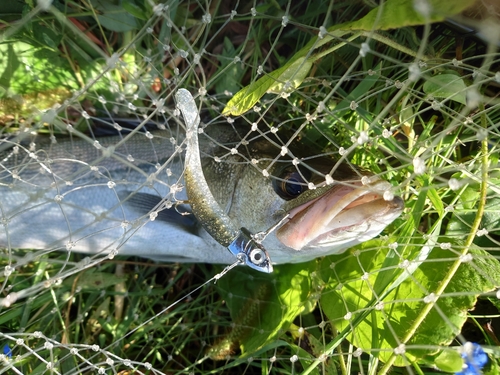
(121, 191)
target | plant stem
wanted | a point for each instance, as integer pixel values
(389, 42)
(474, 228)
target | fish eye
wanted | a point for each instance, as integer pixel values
(257, 257)
(291, 183)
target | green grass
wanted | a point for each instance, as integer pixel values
(435, 137)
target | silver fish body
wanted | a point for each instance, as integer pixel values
(123, 195)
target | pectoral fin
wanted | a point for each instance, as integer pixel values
(145, 203)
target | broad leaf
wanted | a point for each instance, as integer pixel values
(393, 14)
(448, 86)
(286, 78)
(263, 306)
(350, 291)
(115, 17)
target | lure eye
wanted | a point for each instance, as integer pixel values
(291, 183)
(257, 257)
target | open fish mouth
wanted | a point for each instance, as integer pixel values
(345, 215)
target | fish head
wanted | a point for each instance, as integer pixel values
(307, 217)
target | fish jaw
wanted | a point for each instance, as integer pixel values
(344, 216)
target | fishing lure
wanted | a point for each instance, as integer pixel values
(244, 245)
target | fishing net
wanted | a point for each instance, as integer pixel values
(405, 89)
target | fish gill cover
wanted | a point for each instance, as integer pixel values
(105, 269)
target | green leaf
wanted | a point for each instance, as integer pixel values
(469, 197)
(358, 92)
(15, 313)
(448, 361)
(393, 14)
(436, 201)
(13, 7)
(465, 213)
(114, 17)
(350, 290)
(134, 9)
(49, 41)
(232, 73)
(9, 64)
(317, 347)
(284, 79)
(448, 86)
(263, 306)
(291, 77)
(291, 74)
(42, 35)
(28, 69)
(306, 359)
(94, 280)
